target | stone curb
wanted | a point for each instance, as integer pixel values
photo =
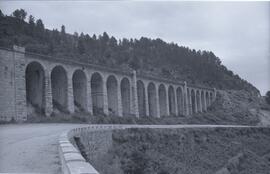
(72, 161)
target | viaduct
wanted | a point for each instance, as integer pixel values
(52, 84)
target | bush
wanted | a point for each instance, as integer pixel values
(267, 98)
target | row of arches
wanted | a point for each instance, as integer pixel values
(112, 94)
(35, 90)
(156, 100)
(199, 100)
(170, 101)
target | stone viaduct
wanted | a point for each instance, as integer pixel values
(52, 84)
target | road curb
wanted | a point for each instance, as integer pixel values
(72, 162)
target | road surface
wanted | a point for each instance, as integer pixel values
(31, 148)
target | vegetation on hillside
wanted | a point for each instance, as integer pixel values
(186, 151)
(267, 97)
(152, 56)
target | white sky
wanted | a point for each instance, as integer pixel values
(237, 32)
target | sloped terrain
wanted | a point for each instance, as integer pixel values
(236, 107)
(186, 151)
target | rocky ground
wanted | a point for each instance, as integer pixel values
(235, 107)
(187, 151)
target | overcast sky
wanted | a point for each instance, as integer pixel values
(237, 32)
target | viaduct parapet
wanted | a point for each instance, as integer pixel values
(50, 84)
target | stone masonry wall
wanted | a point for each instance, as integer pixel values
(7, 93)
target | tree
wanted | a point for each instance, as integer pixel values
(267, 98)
(40, 25)
(40, 30)
(20, 14)
(1, 14)
(31, 29)
(31, 20)
(81, 47)
(63, 30)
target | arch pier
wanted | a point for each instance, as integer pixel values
(51, 84)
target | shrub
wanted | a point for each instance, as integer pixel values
(267, 98)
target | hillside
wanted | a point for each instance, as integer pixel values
(152, 56)
(185, 151)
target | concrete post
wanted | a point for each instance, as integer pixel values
(119, 99)
(135, 95)
(70, 97)
(175, 99)
(19, 83)
(89, 103)
(186, 103)
(157, 103)
(105, 96)
(48, 94)
(146, 100)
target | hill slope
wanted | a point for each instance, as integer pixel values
(145, 55)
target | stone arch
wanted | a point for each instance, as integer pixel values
(198, 103)
(172, 107)
(59, 83)
(141, 98)
(79, 90)
(207, 99)
(112, 92)
(151, 89)
(125, 95)
(35, 86)
(97, 93)
(180, 100)
(193, 103)
(162, 100)
(203, 101)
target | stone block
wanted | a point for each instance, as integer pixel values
(73, 157)
(69, 149)
(81, 168)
